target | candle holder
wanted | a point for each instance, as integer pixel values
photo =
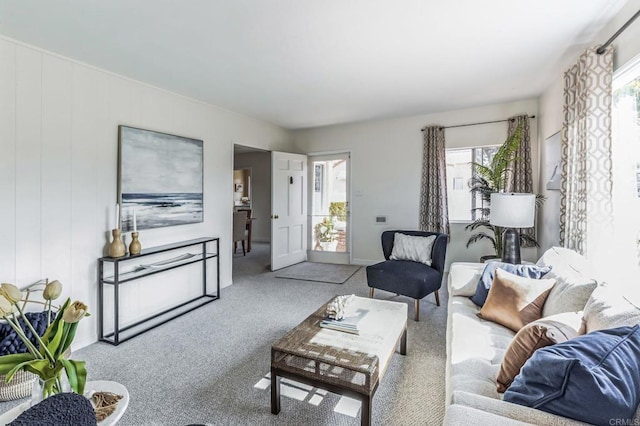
(134, 247)
(116, 248)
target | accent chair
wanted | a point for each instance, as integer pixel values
(408, 277)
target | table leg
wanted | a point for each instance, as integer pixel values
(275, 392)
(250, 226)
(403, 342)
(365, 415)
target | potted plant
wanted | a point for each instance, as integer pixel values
(487, 180)
(326, 234)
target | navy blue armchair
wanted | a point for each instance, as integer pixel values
(408, 278)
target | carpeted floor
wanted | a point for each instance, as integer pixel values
(208, 367)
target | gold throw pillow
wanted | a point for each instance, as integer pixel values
(515, 301)
(533, 336)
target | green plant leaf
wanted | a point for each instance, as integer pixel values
(53, 326)
(56, 338)
(8, 362)
(68, 339)
(79, 371)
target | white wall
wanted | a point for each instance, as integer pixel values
(626, 46)
(260, 164)
(58, 168)
(386, 164)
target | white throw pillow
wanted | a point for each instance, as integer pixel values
(575, 280)
(408, 247)
(607, 308)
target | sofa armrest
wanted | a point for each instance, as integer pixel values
(464, 277)
(512, 411)
(460, 415)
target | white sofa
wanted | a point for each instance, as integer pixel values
(475, 347)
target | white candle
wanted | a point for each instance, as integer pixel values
(117, 215)
(135, 221)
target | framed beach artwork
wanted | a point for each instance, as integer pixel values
(160, 177)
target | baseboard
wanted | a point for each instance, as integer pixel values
(364, 262)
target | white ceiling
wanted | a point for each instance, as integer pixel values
(305, 63)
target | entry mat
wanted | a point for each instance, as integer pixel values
(320, 272)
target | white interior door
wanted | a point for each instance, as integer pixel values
(288, 209)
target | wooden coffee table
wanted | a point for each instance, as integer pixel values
(339, 362)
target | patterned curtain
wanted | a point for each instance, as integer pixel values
(586, 204)
(520, 175)
(433, 193)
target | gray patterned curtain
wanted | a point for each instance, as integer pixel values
(585, 204)
(520, 175)
(433, 193)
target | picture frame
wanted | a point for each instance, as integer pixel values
(160, 176)
(238, 187)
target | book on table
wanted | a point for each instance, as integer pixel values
(348, 324)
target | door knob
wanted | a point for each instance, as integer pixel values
(276, 217)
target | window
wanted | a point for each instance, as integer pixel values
(626, 160)
(463, 206)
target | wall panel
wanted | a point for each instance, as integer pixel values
(8, 159)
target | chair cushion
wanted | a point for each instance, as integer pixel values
(486, 279)
(412, 279)
(515, 301)
(593, 378)
(417, 249)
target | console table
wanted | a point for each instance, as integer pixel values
(122, 334)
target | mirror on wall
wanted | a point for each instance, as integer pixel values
(242, 188)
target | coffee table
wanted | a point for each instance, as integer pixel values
(339, 362)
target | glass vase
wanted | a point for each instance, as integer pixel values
(45, 388)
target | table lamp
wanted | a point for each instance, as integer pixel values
(510, 211)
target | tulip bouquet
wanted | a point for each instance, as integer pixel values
(48, 359)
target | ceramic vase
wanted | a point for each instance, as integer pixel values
(117, 247)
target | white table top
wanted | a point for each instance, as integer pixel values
(89, 389)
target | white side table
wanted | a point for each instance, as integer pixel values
(89, 389)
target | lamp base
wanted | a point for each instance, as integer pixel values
(511, 246)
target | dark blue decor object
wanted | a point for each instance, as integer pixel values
(63, 409)
(10, 343)
(594, 378)
(528, 271)
(408, 278)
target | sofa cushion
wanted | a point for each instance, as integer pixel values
(515, 301)
(575, 280)
(608, 308)
(463, 278)
(533, 336)
(408, 247)
(592, 378)
(486, 279)
(475, 349)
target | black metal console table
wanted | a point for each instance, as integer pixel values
(122, 334)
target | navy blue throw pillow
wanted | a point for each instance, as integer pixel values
(594, 378)
(10, 343)
(528, 271)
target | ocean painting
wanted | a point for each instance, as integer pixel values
(160, 177)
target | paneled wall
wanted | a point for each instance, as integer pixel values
(58, 170)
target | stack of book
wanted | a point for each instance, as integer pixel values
(348, 324)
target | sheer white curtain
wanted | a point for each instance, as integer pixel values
(586, 210)
(626, 169)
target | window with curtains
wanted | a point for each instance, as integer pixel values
(626, 157)
(463, 206)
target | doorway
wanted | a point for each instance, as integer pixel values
(251, 186)
(329, 216)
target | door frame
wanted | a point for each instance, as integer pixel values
(317, 256)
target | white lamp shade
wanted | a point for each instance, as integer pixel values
(511, 210)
